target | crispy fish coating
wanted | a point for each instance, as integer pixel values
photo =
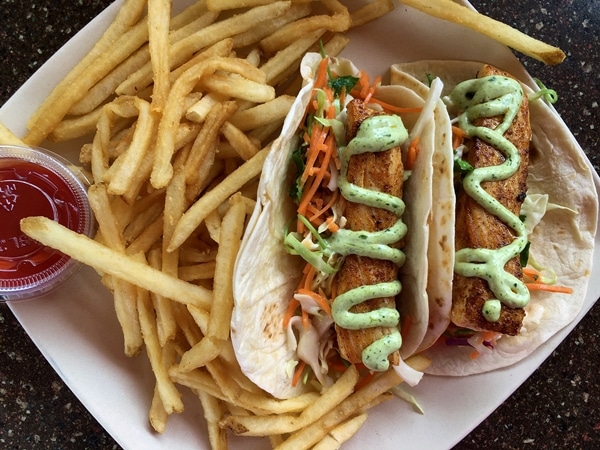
(383, 172)
(476, 228)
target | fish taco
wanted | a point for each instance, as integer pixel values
(333, 266)
(524, 222)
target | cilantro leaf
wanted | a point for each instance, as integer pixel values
(338, 84)
(296, 187)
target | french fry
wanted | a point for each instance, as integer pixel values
(199, 111)
(157, 416)
(73, 86)
(341, 433)
(183, 50)
(283, 424)
(7, 137)
(212, 199)
(107, 222)
(255, 34)
(166, 326)
(213, 410)
(207, 138)
(125, 301)
(112, 262)
(147, 238)
(198, 379)
(286, 61)
(201, 354)
(370, 11)
(338, 22)
(169, 395)
(159, 18)
(258, 403)
(75, 127)
(263, 114)
(233, 228)
(213, 225)
(162, 170)
(501, 32)
(220, 5)
(202, 271)
(238, 87)
(245, 147)
(316, 431)
(121, 174)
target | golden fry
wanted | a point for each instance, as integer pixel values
(283, 424)
(232, 227)
(108, 261)
(162, 170)
(340, 434)
(212, 199)
(370, 11)
(501, 32)
(263, 114)
(169, 395)
(159, 19)
(7, 137)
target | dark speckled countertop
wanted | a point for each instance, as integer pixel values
(557, 407)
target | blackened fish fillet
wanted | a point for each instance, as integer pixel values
(383, 172)
(476, 228)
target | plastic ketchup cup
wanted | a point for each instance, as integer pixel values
(36, 182)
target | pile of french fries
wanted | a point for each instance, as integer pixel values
(178, 112)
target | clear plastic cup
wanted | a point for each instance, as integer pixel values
(37, 182)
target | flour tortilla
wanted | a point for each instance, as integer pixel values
(563, 240)
(266, 275)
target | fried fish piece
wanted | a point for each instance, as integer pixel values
(477, 228)
(383, 172)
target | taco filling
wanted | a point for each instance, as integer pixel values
(510, 184)
(348, 177)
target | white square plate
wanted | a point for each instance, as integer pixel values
(76, 329)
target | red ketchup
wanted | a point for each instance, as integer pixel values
(34, 183)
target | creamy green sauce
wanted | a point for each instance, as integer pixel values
(488, 97)
(375, 134)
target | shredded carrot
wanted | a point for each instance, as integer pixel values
(411, 154)
(372, 88)
(321, 75)
(536, 285)
(321, 301)
(459, 131)
(317, 142)
(549, 288)
(314, 182)
(532, 273)
(474, 354)
(305, 320)
(325, 208)
(289, 313)
(458, 136)
(396, 109)
(489, 336)
(298, 372)
(310, 276)
(331, 225)
(362, 86)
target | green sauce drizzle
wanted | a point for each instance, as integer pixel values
(375, 134)
(488, 97)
